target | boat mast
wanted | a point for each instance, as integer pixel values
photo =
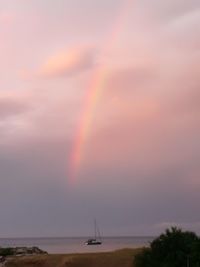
(95, 229)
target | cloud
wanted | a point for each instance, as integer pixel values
(184, 31)
(170, 10)
(67, 63)
(11, 107)
(141, 157)
(38, 114)
(194, 226)
(7, 17)
(129, 79)
(144, 126)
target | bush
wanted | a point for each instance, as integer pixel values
(174, 248)
(6, 251)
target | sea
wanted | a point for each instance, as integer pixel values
(64, 245)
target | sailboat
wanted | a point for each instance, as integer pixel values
(97, 238)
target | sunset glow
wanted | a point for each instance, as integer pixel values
(99, 116)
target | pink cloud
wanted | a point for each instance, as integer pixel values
(7, 17)
(67, 62)
(30, 114)
(142, 125)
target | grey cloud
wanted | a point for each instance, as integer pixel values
(28, 189)
(125, 197)
(184, 31)
(11, 107)
(170, 10)
(161, 197)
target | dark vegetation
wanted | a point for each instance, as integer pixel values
(6, 251)
(10, 251)
(174, 248)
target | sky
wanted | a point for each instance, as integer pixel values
(99, 117)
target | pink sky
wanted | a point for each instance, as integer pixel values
(142, 144)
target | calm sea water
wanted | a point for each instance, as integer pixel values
(76, 244)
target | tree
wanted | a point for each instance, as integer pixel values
(174, 248)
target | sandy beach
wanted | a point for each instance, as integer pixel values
(119, 258)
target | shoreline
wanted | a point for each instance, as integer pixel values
(117, 258)
(76, 245)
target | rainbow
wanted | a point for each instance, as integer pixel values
(93, 95)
